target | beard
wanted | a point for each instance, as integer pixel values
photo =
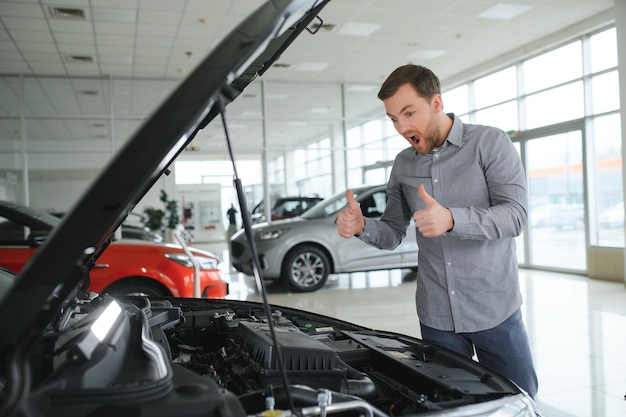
(430, 140)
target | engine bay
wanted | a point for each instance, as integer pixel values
(217, 357)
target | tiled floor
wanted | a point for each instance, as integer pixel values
(577, 328)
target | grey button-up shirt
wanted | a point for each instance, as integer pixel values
(468, 278)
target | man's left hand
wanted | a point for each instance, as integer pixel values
(433, 220)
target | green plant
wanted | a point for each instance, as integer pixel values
(171, 210)
(162, 219)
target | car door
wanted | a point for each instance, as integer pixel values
(355, 255)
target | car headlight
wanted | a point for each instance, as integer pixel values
(269, 234)
(204, 261)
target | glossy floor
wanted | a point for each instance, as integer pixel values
(577, 327)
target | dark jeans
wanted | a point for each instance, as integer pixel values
(503, 349)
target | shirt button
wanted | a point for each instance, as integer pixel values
(452, 292)
(435, 180)
(449, 263)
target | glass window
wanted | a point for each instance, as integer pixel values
(607, 181)
(353, 137)
(372, 131)
(495, 88)
(456, 100)
(603, 47)
(556, 216)
(605, 93)
(503, 116)
(554, 106)
(553, 68)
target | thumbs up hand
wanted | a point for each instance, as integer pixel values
(350, 220)
(434, 219)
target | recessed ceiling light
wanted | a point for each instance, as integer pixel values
(85, 59)
(320, 110)
(311, 66)
(504, 11)
(358, 29)
(66, 13)
(361, 88)
(275, 96)
(281, 65)
(426, 54)
(89, 92)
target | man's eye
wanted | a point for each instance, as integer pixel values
(410, 113)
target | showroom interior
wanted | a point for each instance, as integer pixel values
(78, 77)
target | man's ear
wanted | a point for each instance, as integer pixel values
(437, 103)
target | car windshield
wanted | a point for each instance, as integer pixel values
(41, 215)
(331, 205)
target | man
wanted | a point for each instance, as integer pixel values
(464, 187)
(231, 213)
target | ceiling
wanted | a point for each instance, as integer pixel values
(147, 46)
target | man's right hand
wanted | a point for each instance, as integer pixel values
(350, 220)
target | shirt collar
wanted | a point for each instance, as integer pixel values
(455, 136)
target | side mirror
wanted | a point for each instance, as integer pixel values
(37, 237)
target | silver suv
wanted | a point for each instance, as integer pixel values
(304, 250)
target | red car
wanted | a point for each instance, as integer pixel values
(125, 267)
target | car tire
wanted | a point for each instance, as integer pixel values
(137, 287)
(306, 269)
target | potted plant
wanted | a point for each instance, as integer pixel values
(165, 220)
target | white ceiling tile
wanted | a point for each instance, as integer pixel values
(109, 28)
(31, 36)
(20, 9)
(123, 4)
(120, 15)
(159, 17)
(160, 5)
(50, 67)
(113, 40)
(39, 47)
(159, 31)
(70, 26)
(22, 23)
(72, 39)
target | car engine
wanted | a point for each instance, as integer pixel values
(199, 357)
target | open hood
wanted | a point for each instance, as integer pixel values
(56, 270)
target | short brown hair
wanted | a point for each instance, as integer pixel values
(421, 78)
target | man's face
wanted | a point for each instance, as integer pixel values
(414, 118)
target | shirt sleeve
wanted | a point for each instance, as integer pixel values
(388, 231)
(505, 215)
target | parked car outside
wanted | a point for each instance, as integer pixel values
(126, 266)
(613, 217)
(561, 216)
(65, 352)
(284, 208)
(304, 250)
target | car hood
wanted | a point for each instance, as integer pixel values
(52, 276)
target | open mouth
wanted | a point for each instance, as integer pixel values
(413, 139)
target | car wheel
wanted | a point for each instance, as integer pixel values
(306, 269)
(136, 287)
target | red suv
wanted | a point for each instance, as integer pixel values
(125, 267)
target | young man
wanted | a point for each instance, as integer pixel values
(464, 187)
